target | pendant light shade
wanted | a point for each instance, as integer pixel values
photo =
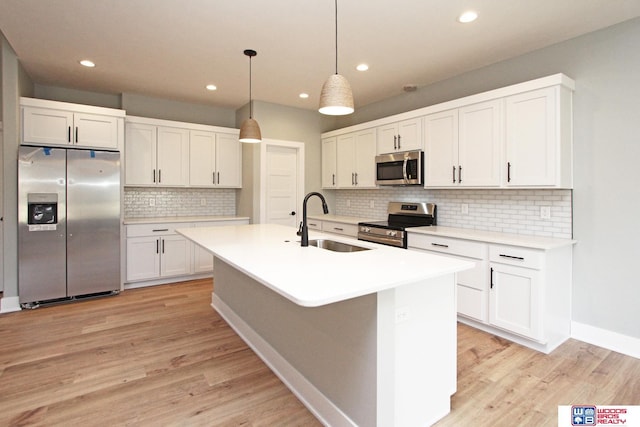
(336, 98)
(250, 130)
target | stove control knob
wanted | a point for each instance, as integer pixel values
(391, 233)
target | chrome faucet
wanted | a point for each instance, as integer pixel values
(304, 241)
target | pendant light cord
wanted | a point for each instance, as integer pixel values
(250, 98)
(336, 3)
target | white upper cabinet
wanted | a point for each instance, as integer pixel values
(463, 146)
(405, 135)
(215, 159)
(329, 163)
(175, 154)
(156, 155)
(518, 136)
(538, 147)
(355, 155)
(62, 124)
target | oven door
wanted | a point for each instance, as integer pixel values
(383, 236)
(404, 168)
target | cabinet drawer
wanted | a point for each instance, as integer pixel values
(514, 255)
(314, 224)
(464, 248)
(340, 228)
(136, 230)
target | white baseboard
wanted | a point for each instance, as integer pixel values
(319, 405)
(606, 339)
(9, 304)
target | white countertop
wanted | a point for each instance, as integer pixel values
(309, 276)
(535, 242)
(172, 219)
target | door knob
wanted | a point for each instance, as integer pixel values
(292, 213)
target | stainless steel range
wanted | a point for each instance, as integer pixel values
(402, 215)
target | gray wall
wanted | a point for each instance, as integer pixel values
(283, 123)
(606, 67)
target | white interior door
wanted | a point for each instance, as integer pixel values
(283, 182)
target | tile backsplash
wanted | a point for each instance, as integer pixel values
(506, 211)
(141, 202)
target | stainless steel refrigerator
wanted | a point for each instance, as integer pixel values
(69, 224)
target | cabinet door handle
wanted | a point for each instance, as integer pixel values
(519, 258)
(399, 136)
(454, 174)
(159, 176)
(162, 245)
(334, 179)
(68, 133)
(491, 279)
(508, 171)
(218, 177)
(440, 245)
(157, 230)
(157, 246)
(76, 134)
(213, 177)
(395, 142)
(154, 176)
(459, 174)
(356, 178)
(338, 229)
(352, 179)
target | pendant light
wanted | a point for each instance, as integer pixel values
(336, 98)
(250, 131)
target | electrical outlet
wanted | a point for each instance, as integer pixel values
(545, 212)
(464, 208)
(152, 201)
(372, 204)
(203, 202)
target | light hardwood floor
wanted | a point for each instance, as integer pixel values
(162, 356)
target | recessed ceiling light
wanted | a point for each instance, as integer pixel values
(468, 16)
(211, 87)
(87, 63)
(362, 67)
(304, 95)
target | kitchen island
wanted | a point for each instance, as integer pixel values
(363, 338)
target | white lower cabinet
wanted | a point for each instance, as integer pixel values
(157, 254)
(334, 227)
(517, 292)
(155, 251)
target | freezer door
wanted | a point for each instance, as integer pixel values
(93, 221)
(41, 224)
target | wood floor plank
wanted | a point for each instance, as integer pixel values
(162, 356)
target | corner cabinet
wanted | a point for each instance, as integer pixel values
(53, 123)
(538, 141)
(329, 163)
(517, 292)
(156, 254)
(215, 159)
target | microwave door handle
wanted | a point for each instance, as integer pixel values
(404, 170)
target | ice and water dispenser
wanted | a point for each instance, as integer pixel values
(42, 211)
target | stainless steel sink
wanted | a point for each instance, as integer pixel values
(336, 246)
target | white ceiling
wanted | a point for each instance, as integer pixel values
(173, 48)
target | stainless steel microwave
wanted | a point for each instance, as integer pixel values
(402, 168)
